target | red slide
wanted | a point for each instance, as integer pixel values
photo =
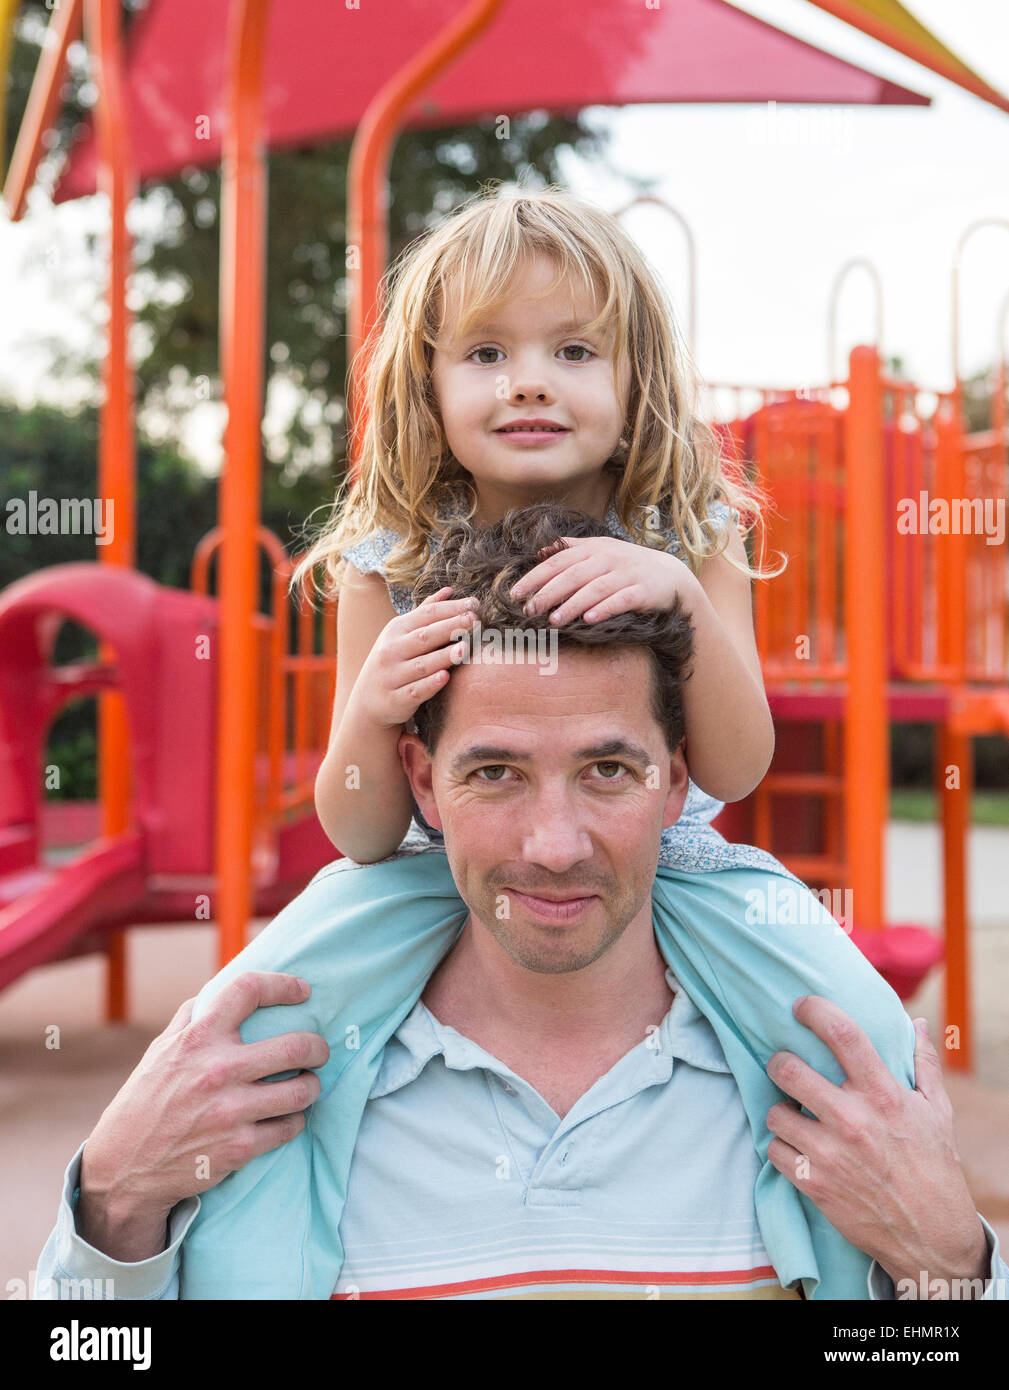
(165, 668)
(152, 872)
(43, 911)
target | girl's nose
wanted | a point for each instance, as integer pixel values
(529, 382)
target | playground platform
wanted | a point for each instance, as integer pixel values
(51, 1100)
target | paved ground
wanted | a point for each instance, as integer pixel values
(51, 1098)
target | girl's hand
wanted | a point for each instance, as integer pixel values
(410, 660)
(599, 576)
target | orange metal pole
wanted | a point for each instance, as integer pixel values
(280, 607)
(8, 14)
(951, 550)
(243, 246)
(826, 542)
(43, 105)
(953, 750)
(116, 455)
(997, 568)
(799, 446)
(856, 263)
(900, 603)
(367, 192)
(867, 753)
(954, 744)
(281, 566)
(305, 643)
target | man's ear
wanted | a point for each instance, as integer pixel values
(419, 767)
(679, 785)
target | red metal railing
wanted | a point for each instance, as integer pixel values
(295, 688)
(945, 595)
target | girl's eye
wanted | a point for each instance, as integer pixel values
(578, 347)
(568, 347)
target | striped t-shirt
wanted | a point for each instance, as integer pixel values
(466, 1184)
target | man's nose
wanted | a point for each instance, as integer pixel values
(555, 837)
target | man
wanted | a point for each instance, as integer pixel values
(554, 1116)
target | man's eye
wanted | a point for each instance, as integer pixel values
(619, 767)
(487, 348)
(492, 767)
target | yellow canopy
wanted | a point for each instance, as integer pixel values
(891, 23)
(8, 9)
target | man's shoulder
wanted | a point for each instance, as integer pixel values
(301, 940)
(340, 934)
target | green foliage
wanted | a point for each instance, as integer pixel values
(912, 759)
(175, 287)
(54, 454)
(72, 747)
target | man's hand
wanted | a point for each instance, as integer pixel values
(192, 1112)
(879, 1160)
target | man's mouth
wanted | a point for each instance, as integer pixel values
(554, 907)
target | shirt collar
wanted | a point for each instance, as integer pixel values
(684, 1034)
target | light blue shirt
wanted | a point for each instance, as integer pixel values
(466, 1184)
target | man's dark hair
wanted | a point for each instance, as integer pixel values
(483, 562)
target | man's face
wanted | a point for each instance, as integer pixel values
(549, 788)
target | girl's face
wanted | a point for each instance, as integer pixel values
(535, 362)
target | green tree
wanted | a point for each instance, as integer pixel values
(175, 290)
(175, 282)
(53, 454)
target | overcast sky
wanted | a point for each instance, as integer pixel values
(778, 202)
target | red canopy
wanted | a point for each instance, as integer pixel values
(325, 62)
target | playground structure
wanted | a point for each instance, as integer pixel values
(165, 669)
(260, 712)
(873, 624)
(936, 650)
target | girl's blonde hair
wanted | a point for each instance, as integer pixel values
(668, 465)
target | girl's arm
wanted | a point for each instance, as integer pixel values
(387, 665)
(366, 822)
(730, 732)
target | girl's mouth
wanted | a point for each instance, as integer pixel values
(532, 435)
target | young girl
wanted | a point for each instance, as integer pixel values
(539, 308)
